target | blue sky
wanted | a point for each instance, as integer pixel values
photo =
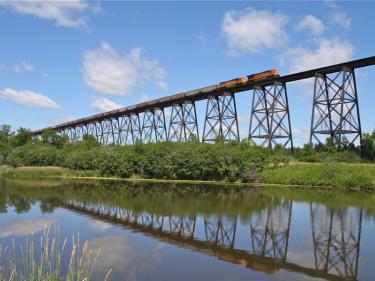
(65, 60)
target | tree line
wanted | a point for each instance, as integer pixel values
(233, 161)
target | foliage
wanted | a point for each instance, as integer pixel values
(368, 143)
(35, 155)
(168, 160)
(21, 137)
(50, 137)
(233, 161)
(323, 174)
(5, 135)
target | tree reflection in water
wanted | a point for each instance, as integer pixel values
(208, 220)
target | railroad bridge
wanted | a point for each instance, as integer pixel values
(335, 112)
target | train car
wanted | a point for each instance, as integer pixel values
(263, 75)
(233, 82)
(207, 89)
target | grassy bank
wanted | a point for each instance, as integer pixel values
(341, 175)
(334, 175)
(35, 172)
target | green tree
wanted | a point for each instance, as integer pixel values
(51, 137)
(334, 144)
(368, 146)
(21, 137)
(5, 148)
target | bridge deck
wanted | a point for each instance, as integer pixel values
(204, 93)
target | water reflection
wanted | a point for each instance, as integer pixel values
(256, 233)
(335, 235)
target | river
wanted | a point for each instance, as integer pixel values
(154, 231)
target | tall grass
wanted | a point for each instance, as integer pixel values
(342, 175)
(48, 259)
(37, 172)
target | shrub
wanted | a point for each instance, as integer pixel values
(82, 159)
(115, 161)
(35, 155)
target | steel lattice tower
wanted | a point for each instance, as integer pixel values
(221, 119)
(153, 127)
(269, 119)
(135, 128)
(107, 132)
(335, 110)
(183, 124)
(123, 130)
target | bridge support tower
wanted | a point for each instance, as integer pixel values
(153, 127)
(183, 124)
(335, 111)
(270, 119)
(221, 119)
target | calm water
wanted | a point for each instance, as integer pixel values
(181, 232)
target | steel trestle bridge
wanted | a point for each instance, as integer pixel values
(335, 113)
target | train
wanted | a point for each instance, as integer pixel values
(188, 94)
(273, 73)
(177, 97)
(250, 78)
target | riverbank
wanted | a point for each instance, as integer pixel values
(338, 175)
(323, 175)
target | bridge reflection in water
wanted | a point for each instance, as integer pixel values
(336, 235)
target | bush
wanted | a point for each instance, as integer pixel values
(114, 161)
(82, 159)
(35, 155)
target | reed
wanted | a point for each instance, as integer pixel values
(48, 258)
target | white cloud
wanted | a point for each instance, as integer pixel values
(311, 24)
(23, 67)
(200, 36)
(338, 17)
(68, 118)
(327, 52)
(342, 19)
(331, 4)
(108, 72)
(23, 227)
(162, 85)
(301, 136)
(144, 98)
(68, 13)
(18, 68)
(99, 225)
(28, 98)
(136, 259)
(252, 31)
(104, 104)
(243, 120)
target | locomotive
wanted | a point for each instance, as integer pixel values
(250, 78)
